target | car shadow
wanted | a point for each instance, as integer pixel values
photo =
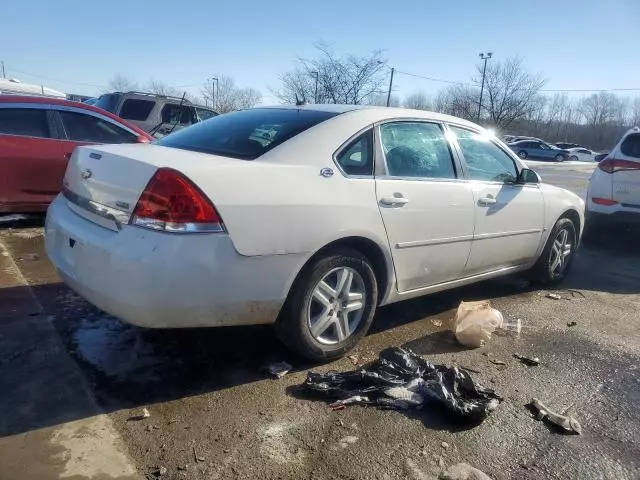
(21, 220)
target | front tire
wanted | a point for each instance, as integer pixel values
(559, 158)
(555, 261)
(573, 158)
(330, 306)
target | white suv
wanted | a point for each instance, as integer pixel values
(614, 187)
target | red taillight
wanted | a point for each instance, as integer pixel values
(612, 165)
(172, 203)
(603, 201)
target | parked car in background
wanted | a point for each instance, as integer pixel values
(614, 188)
(567, 146)
(346, 208)
(538, 149)
(37, 137)
(600, 156)
(156, 114)
(582, 154)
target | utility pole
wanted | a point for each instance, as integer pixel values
(3, 75)
(390, 85)
(214, 91)
(484, 72)
(315, 95)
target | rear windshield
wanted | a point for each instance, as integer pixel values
(246, 134)
(107, 102)
(631, 146)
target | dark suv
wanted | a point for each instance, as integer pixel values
(157, 114)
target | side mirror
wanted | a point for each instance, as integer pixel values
(528, 176)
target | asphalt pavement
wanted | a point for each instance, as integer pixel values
(214, 412)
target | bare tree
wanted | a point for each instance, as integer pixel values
(161, 88)
(599, 108)
(380, 100)
(226, 97)
(350, 79)
(121, 83)
(457, 100)
(634, 116)
(510, 92)
(418, 100)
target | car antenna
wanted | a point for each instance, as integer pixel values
(179, 113)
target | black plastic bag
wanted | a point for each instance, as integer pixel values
(402, 379)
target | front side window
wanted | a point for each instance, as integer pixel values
(357, 157)
(176, 113)
(245, 134)
(416, 149)
(134, 109)
(485, 160)
(87, 128)
(30, 122)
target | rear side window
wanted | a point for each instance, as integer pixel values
(133, 109)
(357, 157)
(631, 146)
(87, 128)
(108, 102)
(30, 122)
(245, 134)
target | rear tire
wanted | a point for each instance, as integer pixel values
(320, 319)
(557, 256)
(573, 158)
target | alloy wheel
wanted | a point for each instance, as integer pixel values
(336, 306)
(561, 252)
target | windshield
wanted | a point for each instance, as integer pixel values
(107, 102)
(245, 134)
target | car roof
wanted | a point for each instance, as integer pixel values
(68, 103)
(376, 113)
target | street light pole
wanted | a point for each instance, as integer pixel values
(315, 95)
(484, 71)
(3, 75)
(390, 85)
(214, 91)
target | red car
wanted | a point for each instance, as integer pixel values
(37, 136)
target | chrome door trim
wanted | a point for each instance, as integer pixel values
(435, 241)
(487, 236)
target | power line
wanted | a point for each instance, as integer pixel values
(433, 79)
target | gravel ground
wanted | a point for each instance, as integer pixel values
(214, 414)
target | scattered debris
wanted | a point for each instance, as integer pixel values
(554, 296)
(528, 361)
(463, 471)
(277, 369)
(497, 362)
(226, 450)
(354, 359)
(572, 324)
(512, 326)
(145, 413)
(182, 468)
(148, 428)
(196, 457)
(444, 445)
(469, 369)
(413, 472)
(161, 471)
(475, 322)
(401, 379)
(441, 463)
(567, 423)
(348, 440)
(436, 323)
(31, 257)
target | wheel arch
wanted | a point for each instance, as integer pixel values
(380, 261)
(573, 215)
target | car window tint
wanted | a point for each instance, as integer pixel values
(485, 160)
(108, 102)
(631, 146)
(357, 157)
(30, 122)
(415, 149)
(245, 134)
(87, 128)
(176, 113)
(205, 113)
(134, 109)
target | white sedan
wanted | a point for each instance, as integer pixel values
(340, 210)
(581, 154)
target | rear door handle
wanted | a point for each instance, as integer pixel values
(488, 200)
(394, 201)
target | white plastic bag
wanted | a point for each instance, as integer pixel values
(475, 322)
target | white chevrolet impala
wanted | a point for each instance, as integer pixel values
(306, 217)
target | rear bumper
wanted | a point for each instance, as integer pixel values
(160, 280)
(615, 218)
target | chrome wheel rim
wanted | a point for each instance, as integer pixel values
(336, 306)
(522, 155)
(561, 252)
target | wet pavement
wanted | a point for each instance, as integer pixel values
(215, 414)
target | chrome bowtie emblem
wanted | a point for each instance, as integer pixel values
(86, 173)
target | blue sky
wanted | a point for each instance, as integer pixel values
(573, 44)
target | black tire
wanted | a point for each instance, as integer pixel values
(559, 158)
(522, 154)
(573, 158)
(293, 327)
(542, 271)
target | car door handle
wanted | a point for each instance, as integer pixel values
(489, 200)
(394, 201)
